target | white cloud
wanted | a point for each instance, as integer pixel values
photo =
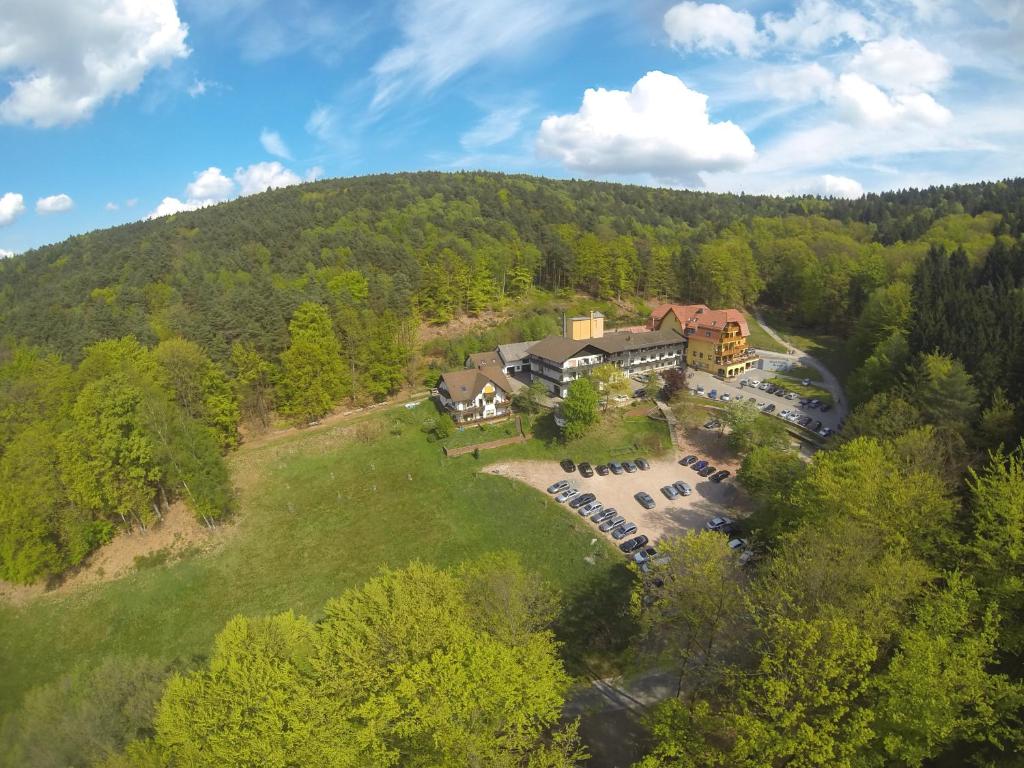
(12, 205)
(496, 127)
(131, 202)
(799, 83)
(441, 38)
(865, 103)
(712, 27)
(5, 254)
(171, 205)
(322, 123)
(66, 59)
(209, 187)
(314, 173)
(260, 177)
(198, 88)
(901, 65)
(835, 186)
(54, 204)
(111, 206)
(660, 127)
(816, 22)
(274, 144)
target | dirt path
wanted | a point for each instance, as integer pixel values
(177, 533)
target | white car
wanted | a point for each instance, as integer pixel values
(567, 494)
(784, 414)
(725, 398)
(558, 487)
(755, 382)
(737, 543)
(717, 522)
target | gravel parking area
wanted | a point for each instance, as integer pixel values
(668, 518)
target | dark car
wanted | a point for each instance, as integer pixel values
(688, 460)
(583, 498)
(699, 465)
(623, 530)
(642, 464)
(633, 544)
(713, 424)
(770, 408)
(707, 471)
(825, 407)
(670, 492)
(817, 425)
(611, 522)
(639, 393)
(615, 467)
(645, 500)
(604, 514)
(585, 469)
(602, 469)
(629, 466)
(720, 476)
(567, 465)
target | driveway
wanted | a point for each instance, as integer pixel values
(668, 518)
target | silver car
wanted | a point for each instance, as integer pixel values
(623, 530)
(589, 509)
(611, 522)
(567, 494)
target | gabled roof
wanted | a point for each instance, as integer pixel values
(683, 312)
(513, 352)
(700, 316)
(480, 359)
(718, 318)
(468, 383)
(558, 349)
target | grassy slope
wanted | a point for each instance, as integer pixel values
(759, 338)
(829, 349)
(319, 512)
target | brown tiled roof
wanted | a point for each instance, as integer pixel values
(718, 318)
(558, 349)
(480, 359)
(466, 384)
(700, 316)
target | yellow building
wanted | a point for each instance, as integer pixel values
(716, 339)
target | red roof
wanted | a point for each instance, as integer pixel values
(699, 316)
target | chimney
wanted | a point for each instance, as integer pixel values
(563, 325)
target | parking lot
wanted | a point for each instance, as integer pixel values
(667, 518)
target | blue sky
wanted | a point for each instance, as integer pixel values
(115, 110)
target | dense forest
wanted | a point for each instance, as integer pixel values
(882, 625)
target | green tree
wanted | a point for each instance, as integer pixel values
(1000, 423)
(609, 381)
(199, 386)
(313, 377)
(254, 385)
(528, 399)
(579, 409)
(750, 429)
(944, 392)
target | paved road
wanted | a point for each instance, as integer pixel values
(799, 357)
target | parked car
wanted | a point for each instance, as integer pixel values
(764, 386)
(806, 382)
(642, 464)
(713, 394)
(688, 460)
(615, 467)
(568, 465)
(633, 544)
(792, 396)
(639, 392)
(623, 530)
(629, 466)
(755, 383)
(585, 469)
(579, 501)
(699, 465)
(817, 425)
(644, 555)
(567, 494)
(708, 471)
(604, 514)
(645, 500)
(683, 488)
(729, 529)
(558, 487)
(737, 543)
(770, 408)
(611, 522)
(700, 389)
(715, 523)
(588, 509)
(720, 475)
(725, 398)
(825, 407)
(652, 562)
(670, 492)
(602, 469)
(712, 424)
(784, 413)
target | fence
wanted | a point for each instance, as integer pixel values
(463, 450)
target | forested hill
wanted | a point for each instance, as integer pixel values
(129, 356)
(444, 244)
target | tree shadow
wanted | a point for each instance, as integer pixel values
(595, 625)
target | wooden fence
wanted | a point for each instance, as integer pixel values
(463, 450)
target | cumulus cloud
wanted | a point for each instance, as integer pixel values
(314, 173)
(209, 187)
(816, 22)
(442, 38)
(66, 59)
(54, 204)
(799, 83)
(901, 65)
(5, 254)
(111, 206)
(660, 127)
(260, 177)
(12, 205)
(835, 186)
(712, 27)
(171, 205)
(274, 144)
(866, 103)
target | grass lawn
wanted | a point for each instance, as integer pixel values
(322, 511)
(759, 338)
(794, 385)
(483, 433)
(800, 372)
(831, 350)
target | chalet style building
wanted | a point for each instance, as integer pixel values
(475, 394)
(713, 340)
(716, 339)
